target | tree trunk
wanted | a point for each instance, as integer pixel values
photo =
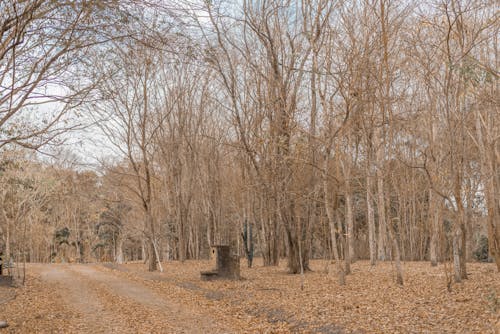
(350, 225)
(463, 250)
(119, 250)
(397, 254)
(298, 256)
(274, 242)
(152, 264)
(399, 270)
(459, 251)
(433, 219)
(7, 243)
(493, 236)
(269, 232)
(371, 220)
(144, 253)
(331, 223)
(456, 255)
(338, 261)
(382, 224)
(343, 245)
(331, 216)
(493, 219)
(181, 233)
(152, 258)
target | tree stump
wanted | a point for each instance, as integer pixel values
(227, 265)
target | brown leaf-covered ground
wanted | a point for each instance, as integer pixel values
(128, 299)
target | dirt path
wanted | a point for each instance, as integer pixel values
(111, 304)
(79, 295)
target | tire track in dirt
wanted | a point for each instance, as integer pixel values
(80, 296)
(182, 319)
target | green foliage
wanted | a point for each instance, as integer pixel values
(61, 236)
(481, 252)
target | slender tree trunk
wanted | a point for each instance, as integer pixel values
(399, 270)
(463, 249)
(343, 247)
(152, 264)
(459, 251)
(456, 255)
(487, 154)
(144, 253)
(119, 249)
(397, 255)
(338, 261)
(7, 243)
(331, 222)
(157, 255)
(493, 216)
(264, 236)
(350, 224)
(270, 232)
(181, 233)
(385, 110)
(434, 219)
(371, 220)
(152, 258)
(274, 241)
(382, 224)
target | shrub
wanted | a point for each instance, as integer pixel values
(481, 252)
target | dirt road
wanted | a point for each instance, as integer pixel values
(107, 303)
(110, 298)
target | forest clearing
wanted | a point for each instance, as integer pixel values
(110, 298)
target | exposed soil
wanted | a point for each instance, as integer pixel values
(78, 294)
(128, 299)
(94, 300)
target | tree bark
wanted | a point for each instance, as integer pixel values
(181, 233)
(371, 220)
(433, 219)
(152, 259)
(298, 256)
(331, 222)
(456, 255)
(350, 223)
(119, 249)
(382, 224)
(397, 255)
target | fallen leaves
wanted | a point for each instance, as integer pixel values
(36, 309)
(268, 300)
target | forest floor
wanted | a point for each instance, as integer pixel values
(109, 298)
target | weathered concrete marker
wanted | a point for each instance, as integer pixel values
(227, 265)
